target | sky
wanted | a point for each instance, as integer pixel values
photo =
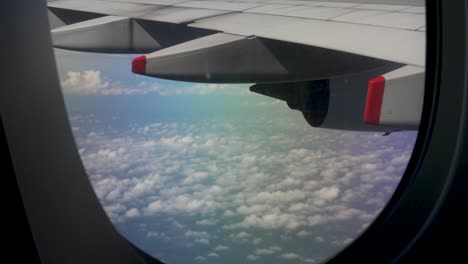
(212, 173)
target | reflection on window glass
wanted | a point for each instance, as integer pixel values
(215, 173)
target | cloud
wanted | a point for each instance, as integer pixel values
(115, 212)
(158, 235)
(221, 248)
(303, 233)
(276, 248)
(202, 241)
(132, 213)
(264, 252)
(327, 193)
(179, 204)
(229, 213)
(290, 256)
(195, 177)
(200, 237)
(343, 213)
(199, 259)
(268, 251)
(213, 254)
(316, 220)
(113, 195)
(90, 82)
(154, 207)
(230, 186)
(242, 235)
(342, 242)
(206, 222)
(87, 82)
(197, 234)
(278, 197)
(271, 221)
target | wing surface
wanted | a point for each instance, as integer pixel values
(315, 48)
(388, 32)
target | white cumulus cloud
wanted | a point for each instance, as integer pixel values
(290, 256)
(90, 82)
(221, 248)
(214, 183)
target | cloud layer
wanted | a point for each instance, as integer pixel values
(241, 190)
(90, 82)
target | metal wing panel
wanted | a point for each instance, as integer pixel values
(141, 10)
(315, 3)
(180, 15)
(322, 13)
(336, 4)
(395, 20)
(416, 10)
(268, 8)
(313, 12)
(382, 7)
(245, 24)
(354, 17)
(377, 42)
(151, 2)
(230, 6)
(104, 7)
(253, 1)
(372, 30)
(395, 16)
(403, 20)
(293, 2)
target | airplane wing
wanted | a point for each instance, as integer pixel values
(311, 47)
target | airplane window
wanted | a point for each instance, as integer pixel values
(217, 147)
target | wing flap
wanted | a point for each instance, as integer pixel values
(180, 15)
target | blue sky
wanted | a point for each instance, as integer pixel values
(196, 173)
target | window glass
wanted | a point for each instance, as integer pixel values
(216, 173)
